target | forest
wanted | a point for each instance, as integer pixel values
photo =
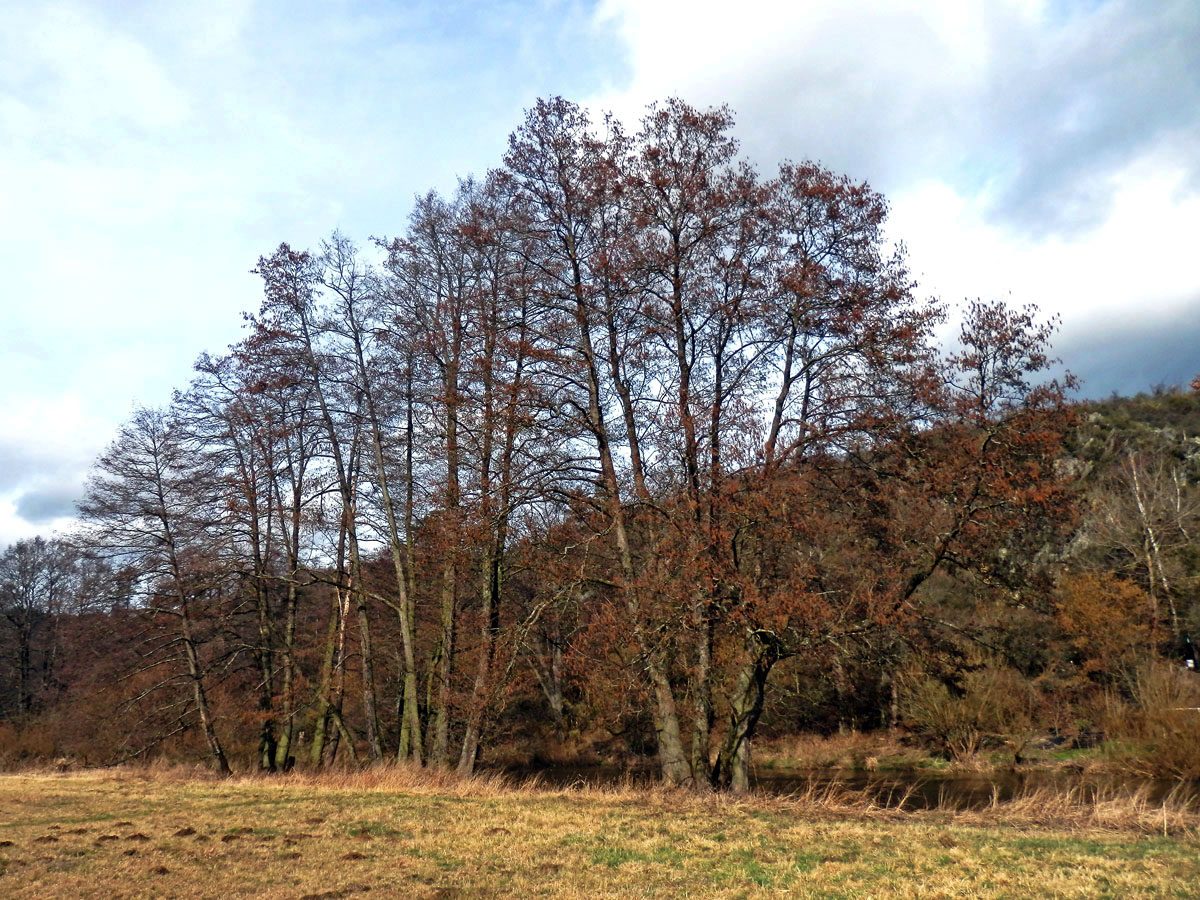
(624, 451)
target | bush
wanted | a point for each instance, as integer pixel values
(992, 703)
(1158, 734)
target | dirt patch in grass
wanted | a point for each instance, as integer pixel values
(387, 834)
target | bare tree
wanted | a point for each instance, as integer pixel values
(149, 505)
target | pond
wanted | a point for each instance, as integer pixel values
(910, 789)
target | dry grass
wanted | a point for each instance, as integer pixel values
(836, 751)
(401, 833)
(1100, 807)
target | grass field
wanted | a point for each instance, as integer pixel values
(129, 834)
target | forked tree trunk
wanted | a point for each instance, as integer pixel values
(732, 769)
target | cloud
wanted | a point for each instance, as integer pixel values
(1039, 152)
(1035, 103)
(1130, 352)
(45, 506)
(47, 446)
(1088, 93)
(35, 448)
(1139, 257)
(80, 74)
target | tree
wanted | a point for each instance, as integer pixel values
(622, 396)
(289, 321)
(149, 506)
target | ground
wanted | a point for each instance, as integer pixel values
(131, 834)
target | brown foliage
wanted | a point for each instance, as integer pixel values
(1109, 622)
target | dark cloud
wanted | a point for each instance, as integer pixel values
(39, 507)
(1131, 353)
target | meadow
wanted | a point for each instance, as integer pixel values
(126, 833)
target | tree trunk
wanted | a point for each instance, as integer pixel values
(283, 750)
(489, 628)
(440, 749)
(732, 770)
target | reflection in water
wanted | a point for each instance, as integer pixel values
(903, 789)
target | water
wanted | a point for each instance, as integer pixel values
(907, 789)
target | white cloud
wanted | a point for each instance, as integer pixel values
(1139, 260)
(86, 74)
(1038, 100)
(828, 80)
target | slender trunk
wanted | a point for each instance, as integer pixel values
(268, 743)
(673, 759)
(200, 697)
(412, 711)
(841, 686)
(489, 628)
(702, 717)
(553, 686)
(290, 524)
(439, 751)
(786, 380)
(547, 668)
(370, 711)
(195, 671)
(627, 412)
(25, 665)
(338, 692)
(329, 660)
(346, 736)
(890, 714)
(287, 660)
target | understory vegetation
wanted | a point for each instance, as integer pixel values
(623, 453)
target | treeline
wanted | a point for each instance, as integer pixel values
(624, 444)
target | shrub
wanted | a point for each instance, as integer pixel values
(1158, 733)
(991, 703)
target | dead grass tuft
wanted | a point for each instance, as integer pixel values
(405, 778)
(1102, 807)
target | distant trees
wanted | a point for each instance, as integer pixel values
(38, 584)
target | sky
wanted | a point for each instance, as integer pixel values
(1034, 151)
